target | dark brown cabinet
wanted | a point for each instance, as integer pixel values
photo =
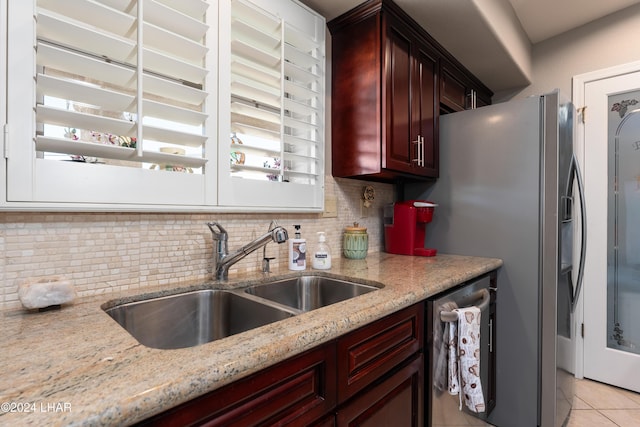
(384, 104)
(367, 354)
(380, 372)
(367, 375)
(396, 401)
(297, 391)
(459, 91)
(390, 81)
(410, 80)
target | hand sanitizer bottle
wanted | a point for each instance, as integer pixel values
(322, 256)
(297, 251)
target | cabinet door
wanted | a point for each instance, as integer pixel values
(396, 401)
(459, 91)
(424, 113)
(453, 93)
(411, 140)
(298, 391)
(482, 99)
(399, 152)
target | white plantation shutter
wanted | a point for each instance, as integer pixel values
(122, 101)
(275, 89)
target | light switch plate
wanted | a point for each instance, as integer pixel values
(330, 206)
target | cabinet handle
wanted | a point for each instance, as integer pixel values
(473, 103)
(417, 143)
(420, 151)
(490, 335)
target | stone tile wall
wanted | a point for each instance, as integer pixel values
(103, 252)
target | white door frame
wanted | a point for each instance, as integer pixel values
(579, 83)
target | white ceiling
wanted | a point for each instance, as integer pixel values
(543, 19)
(497, 52)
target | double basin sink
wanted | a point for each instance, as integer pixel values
(193, 318)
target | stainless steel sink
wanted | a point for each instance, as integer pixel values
(309, 292)
(193, 318)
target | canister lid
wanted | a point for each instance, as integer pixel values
(355, 229)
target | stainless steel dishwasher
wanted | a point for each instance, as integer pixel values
(442, 407)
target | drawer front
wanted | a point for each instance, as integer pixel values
(373, 350)
(298, 391)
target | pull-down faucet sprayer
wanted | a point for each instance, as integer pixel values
(222, 259)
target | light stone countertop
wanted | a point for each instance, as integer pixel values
(76, 366)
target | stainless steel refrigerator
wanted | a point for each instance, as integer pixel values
(507, 188)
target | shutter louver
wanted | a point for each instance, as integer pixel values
(277, 78)
(103, 98)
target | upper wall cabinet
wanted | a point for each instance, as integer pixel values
(142, 105)
(271, 128)
(458, 91)
(409, 110)
(384, 97)
(386, 94)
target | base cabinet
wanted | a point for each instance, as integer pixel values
(367, 354)
(329, 421)
(371, 376)
(298, 391)
(380, 372)
(396, 401)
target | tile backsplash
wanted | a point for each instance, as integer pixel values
(105, 252)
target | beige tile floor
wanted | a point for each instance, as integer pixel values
(595, 405)
(601, 405)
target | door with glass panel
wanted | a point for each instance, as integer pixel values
(612, 187)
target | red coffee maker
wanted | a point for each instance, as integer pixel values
(405, 224)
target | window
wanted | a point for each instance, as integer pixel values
(274, 91)
(123, 96)
(165, 105)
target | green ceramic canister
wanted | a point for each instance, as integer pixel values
(355, 242)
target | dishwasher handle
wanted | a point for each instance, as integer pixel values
(482, 294)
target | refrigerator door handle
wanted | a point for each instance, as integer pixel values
(574, 175)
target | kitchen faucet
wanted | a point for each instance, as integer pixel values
(222, 259)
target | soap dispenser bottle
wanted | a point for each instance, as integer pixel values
(321, 257)
(297, 251)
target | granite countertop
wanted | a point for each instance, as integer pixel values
(76, 366)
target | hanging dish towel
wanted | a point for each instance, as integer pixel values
(464, 359)
(453, 365)
(441, 349)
